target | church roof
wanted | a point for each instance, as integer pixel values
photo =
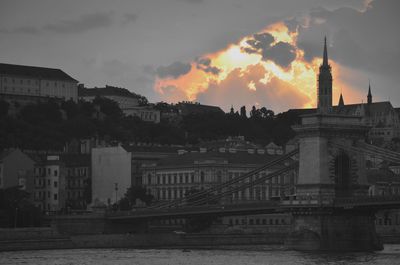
(383, 107)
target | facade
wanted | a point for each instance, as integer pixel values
(31, 83)
(172, 177)
(145, 113)
(188, 108)
(16, 169)
(111, 174)
(127, 101)
(122, 96)
(62, 182)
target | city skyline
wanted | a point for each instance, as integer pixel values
(264, 53)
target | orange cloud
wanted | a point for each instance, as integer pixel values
(254, 71)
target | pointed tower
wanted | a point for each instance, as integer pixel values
(369, 97)
(341, 101)
(325, 85)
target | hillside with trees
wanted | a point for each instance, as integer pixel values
(49, 125)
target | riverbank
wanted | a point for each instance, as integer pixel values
(30, 239)
(46, 238)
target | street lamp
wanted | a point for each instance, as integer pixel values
(116, 192)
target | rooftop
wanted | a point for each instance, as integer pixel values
(106, 91)
(34, 72)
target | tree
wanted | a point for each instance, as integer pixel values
(132, 194)
(21, 213)
(108, 106)
(243, 111)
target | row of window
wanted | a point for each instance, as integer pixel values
(41, 195)
(39, 171)
(76, 172)
(29, 82)
(258, 221)
(74, 194)
(42, 183)
(257, 193)
(176, 178)
(21, 90)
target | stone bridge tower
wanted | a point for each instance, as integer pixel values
(327, 173)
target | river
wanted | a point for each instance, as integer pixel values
(249, 255)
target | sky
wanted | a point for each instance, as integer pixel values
(218, 52)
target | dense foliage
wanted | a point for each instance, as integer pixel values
(49, 125)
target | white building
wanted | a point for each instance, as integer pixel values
(21, 82)
(145, 113)
(111, 174)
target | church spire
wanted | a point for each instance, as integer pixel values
(369, 97)
(325, 84)
(341, 101)
(325, 60)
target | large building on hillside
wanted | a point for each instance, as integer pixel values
(128, 102)
(122, 96)
(23, 83)
(172, 177)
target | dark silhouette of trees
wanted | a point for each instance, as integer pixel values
(132, 194)
(243, 111)
(14, 202)
(49, 125)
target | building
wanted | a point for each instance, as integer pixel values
(21, 83)
(129, 103)
(16, 169)
(188, 108)
(172, 177)
(122, 96)
(62, 182)
(383, 118)
(111, 174)
(145, 113)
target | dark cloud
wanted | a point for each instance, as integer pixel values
(83, 24)
(173, 70)
(205, 65)
(281, 53)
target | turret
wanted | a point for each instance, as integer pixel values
(369, 97)
(325, 84)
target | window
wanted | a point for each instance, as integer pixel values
(55, 173)
(55, 196)
(55, 184)
(48, 194)
(48, 182)
(48, 171)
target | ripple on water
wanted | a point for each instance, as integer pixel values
(237, 255)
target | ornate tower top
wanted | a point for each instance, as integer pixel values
(369, 97)
(325, 84)
(325, 60)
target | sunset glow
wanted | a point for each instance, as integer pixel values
(247, 62)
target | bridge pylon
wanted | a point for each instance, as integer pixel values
(328, 172)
